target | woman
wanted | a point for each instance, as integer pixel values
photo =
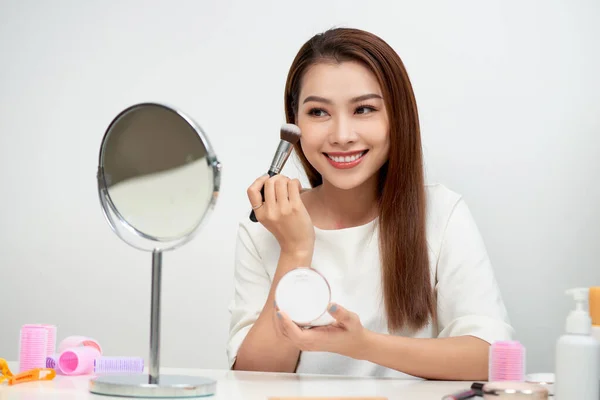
(415, 289)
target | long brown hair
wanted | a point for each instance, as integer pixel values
(408, 294)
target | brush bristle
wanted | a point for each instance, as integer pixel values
(290, 133)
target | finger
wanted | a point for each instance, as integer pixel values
(270, 197)
(281, 191)
(294, 187)
(342, 315)
(289, 328)
(281, 328)
(304, 339)
(253, 191)
(277, 324)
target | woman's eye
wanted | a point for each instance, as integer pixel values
(317, 112)
(364, 109)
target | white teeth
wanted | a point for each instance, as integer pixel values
(346, 159)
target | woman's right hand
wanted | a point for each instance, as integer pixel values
(283, 213)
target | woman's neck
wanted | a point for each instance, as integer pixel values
(335, 208)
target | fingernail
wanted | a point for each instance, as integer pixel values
(333, 308)
(278, 315)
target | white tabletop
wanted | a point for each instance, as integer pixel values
(238, 385)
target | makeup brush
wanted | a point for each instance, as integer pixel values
(289, 134)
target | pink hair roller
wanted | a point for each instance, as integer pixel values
(51, 344)
(507, 361)
(78, 360)
(33, 345)
(78, 341)
(119, 365)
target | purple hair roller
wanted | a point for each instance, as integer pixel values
(134, 365)
(52, 362)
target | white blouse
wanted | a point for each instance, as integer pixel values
(467, 295)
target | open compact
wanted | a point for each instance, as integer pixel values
(304, 295)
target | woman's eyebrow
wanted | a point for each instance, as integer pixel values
(317, 98)
(366, 97)
(353, 100)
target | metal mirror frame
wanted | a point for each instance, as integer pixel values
(127, 232)
(153, 384)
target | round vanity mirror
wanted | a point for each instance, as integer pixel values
(158, 176)
(158, 179)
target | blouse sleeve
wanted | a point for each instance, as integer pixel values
(251, 289)
(469, 301)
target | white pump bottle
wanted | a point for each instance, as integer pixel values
(577, 355)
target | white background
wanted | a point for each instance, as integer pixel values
(509, 97)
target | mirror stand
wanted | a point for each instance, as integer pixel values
(155, 317)
(154, 384)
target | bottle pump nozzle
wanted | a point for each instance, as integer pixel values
(579, 321)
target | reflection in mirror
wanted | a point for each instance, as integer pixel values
(157, 173)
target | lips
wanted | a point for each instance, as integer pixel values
(346, 160)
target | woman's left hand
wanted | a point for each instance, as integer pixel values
(346, 336)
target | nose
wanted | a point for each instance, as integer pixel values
(342, 131)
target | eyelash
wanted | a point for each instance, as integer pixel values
(370, 107)
(314, 110)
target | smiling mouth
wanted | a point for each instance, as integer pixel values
(346, 159)
(343, 161)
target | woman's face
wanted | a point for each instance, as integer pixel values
(344, 123)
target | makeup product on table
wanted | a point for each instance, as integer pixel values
(514, 391)
(577, 354)
(119, 365)
(506, 361)
(474, 391)
(289, 135)
(304, 295)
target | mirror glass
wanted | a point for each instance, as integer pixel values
(158, 172)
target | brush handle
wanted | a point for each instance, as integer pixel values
(262, 194)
